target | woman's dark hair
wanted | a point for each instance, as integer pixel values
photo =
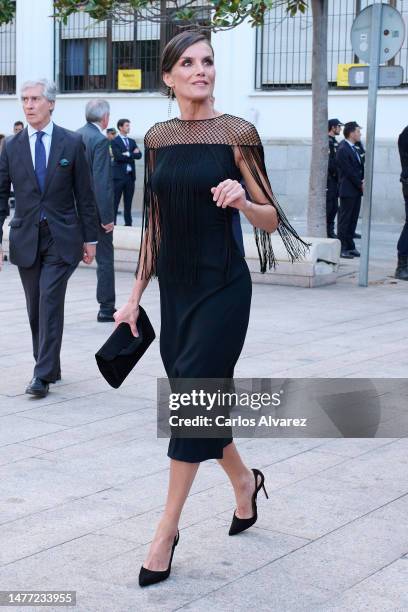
(175, 49)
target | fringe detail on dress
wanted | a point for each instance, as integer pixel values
(176, 249)
(147, 261)
(181, 241)
(296, 247)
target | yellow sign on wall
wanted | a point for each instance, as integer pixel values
(342, 74)
(130, 79)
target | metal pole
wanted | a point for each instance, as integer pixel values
(375, 42)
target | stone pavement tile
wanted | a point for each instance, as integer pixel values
(80, 411)
(309, 516)
(368, 542)
(19, 429)
(382, 473)
(353, 447)
(205, 559)
(383, 591)
(14, 452)
(310, 508)
(94, 445)
(60, 568)
(111, 430)
(397, 424)
(109, 465)
(317, 566)
(41, 530)
(46, 487)
(395, 512)
(266, 589)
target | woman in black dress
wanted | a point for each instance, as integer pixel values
(194, 169)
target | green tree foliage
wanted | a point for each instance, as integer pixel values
(224, 15)
(7, 8)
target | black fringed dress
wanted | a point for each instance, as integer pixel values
(205, 285)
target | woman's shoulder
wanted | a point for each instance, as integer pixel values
(242, 131)
(157, 135)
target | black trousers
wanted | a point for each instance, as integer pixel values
(105, 273)
(332, 206)
(402, 246)
(45, 285)
(125, 186)
(347, 219)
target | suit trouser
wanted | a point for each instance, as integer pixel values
(402, 246)
(347, 221)
(332, 206)
(125, 186)
(45, 284)
(105, 273)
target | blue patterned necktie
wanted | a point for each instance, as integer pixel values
(40, 165)
(127, 143)
(357, 154)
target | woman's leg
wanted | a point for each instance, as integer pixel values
(242, 480)
(181, 478)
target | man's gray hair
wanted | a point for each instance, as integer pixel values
(49, 88)
(96, 109)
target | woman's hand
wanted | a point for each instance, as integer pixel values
(129, 314)
(230, 193)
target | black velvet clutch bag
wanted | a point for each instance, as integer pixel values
(121, 352)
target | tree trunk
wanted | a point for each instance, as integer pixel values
(316, 213)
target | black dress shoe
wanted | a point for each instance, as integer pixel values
(354, 253)
(37, 387)
(357, 235)
(106, 317)
(239, 524)
(147, 577)
(332, 235)
(346, 255)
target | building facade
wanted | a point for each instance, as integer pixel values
(263, 75)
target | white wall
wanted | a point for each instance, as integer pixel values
(277, 114)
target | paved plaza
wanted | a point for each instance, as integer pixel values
(83, 477)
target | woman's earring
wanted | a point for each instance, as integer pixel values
(171, 97)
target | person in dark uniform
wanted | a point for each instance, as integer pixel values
(332, 193)
(361, 151)
(401, 271)
(351, 184)
(124, 151)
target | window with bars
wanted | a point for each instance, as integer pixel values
(8, 58)
(284, 45)
(91, 54)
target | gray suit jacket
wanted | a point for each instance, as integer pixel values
(99, 160)
(67, 199)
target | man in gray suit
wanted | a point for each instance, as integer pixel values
(98, 156)
(55, 222)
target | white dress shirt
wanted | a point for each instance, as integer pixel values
(124, 138)
(353, 146)
(46, 139)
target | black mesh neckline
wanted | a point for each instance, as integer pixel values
(208, 119)
(223, 129)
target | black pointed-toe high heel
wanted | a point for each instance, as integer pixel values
(147, 577)
(240, 524)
